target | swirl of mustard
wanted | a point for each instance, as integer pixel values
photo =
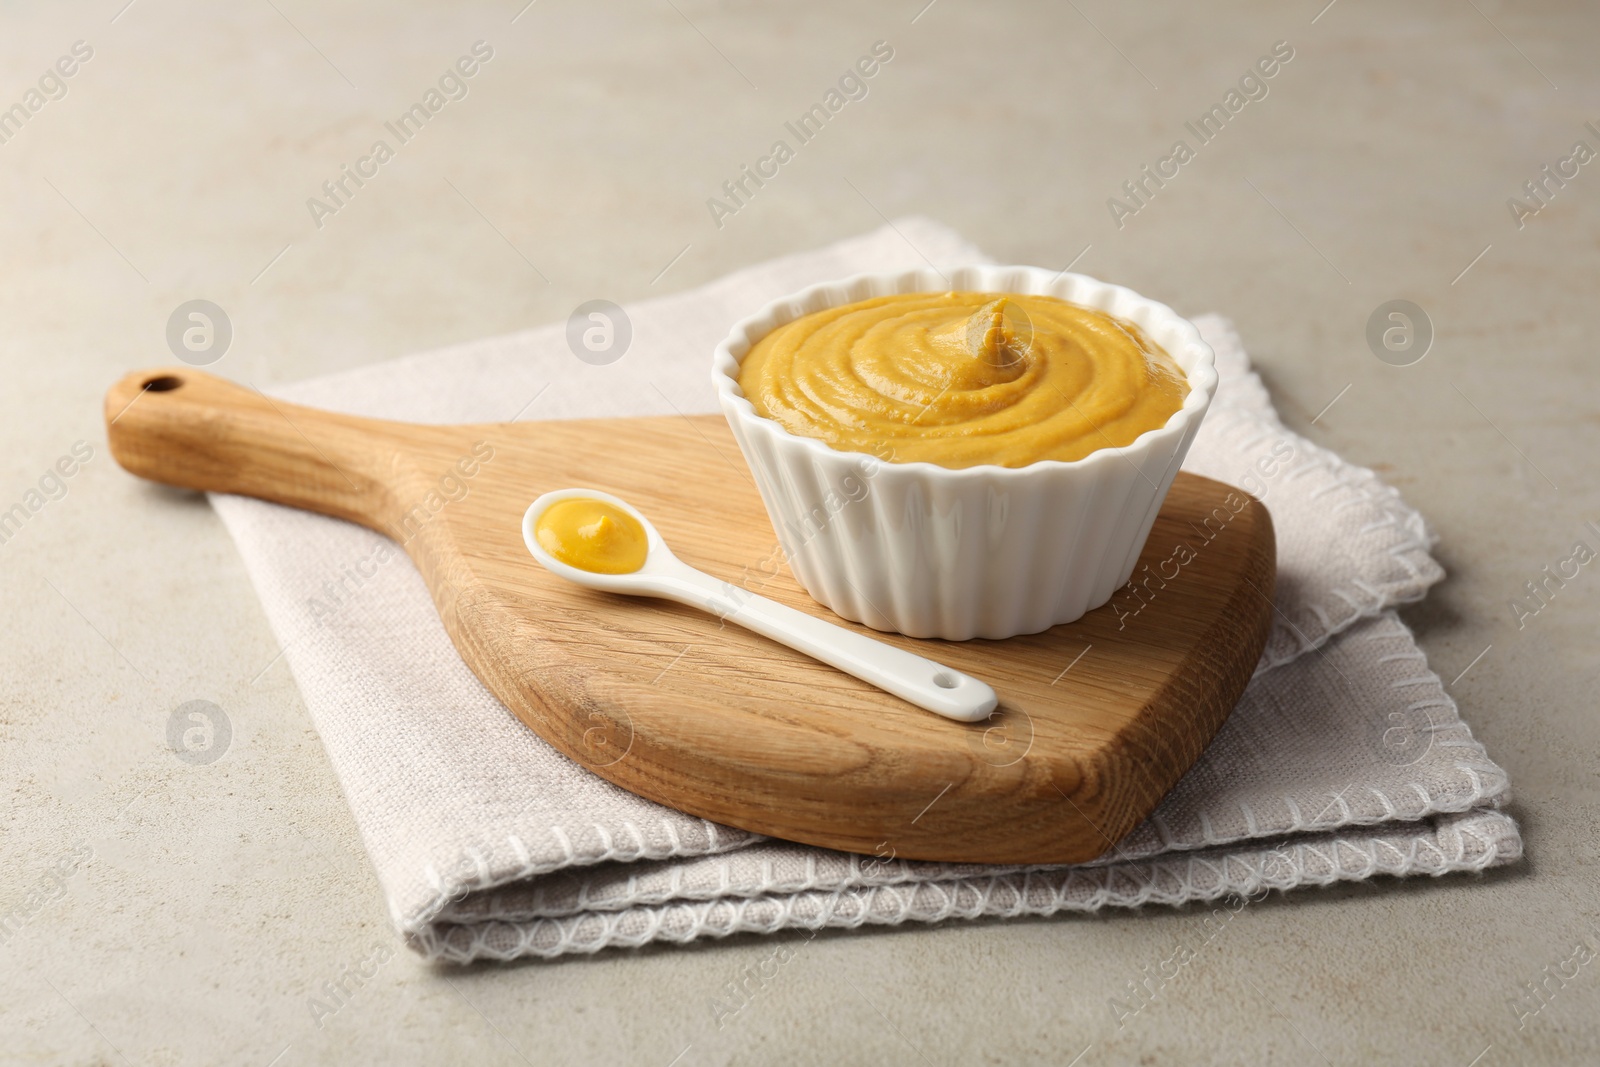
(963, 379)
(593, 536)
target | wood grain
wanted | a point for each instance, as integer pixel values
(1098, 719)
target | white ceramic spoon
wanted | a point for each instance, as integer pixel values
(940, 689)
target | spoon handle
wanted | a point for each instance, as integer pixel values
(929, 685)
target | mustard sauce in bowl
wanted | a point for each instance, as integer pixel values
(963, 379)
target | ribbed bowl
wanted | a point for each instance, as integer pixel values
(987, 551)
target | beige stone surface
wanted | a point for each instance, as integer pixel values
(204, 904)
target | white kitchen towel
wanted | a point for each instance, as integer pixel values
(1345, 758)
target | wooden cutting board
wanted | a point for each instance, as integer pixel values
(1097, 719)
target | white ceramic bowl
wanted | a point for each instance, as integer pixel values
(985, 551)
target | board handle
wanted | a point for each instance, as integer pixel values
(182, 427)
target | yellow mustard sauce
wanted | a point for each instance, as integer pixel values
(592, 535)
(963, 379)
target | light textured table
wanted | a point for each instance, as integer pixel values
(207, 902)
